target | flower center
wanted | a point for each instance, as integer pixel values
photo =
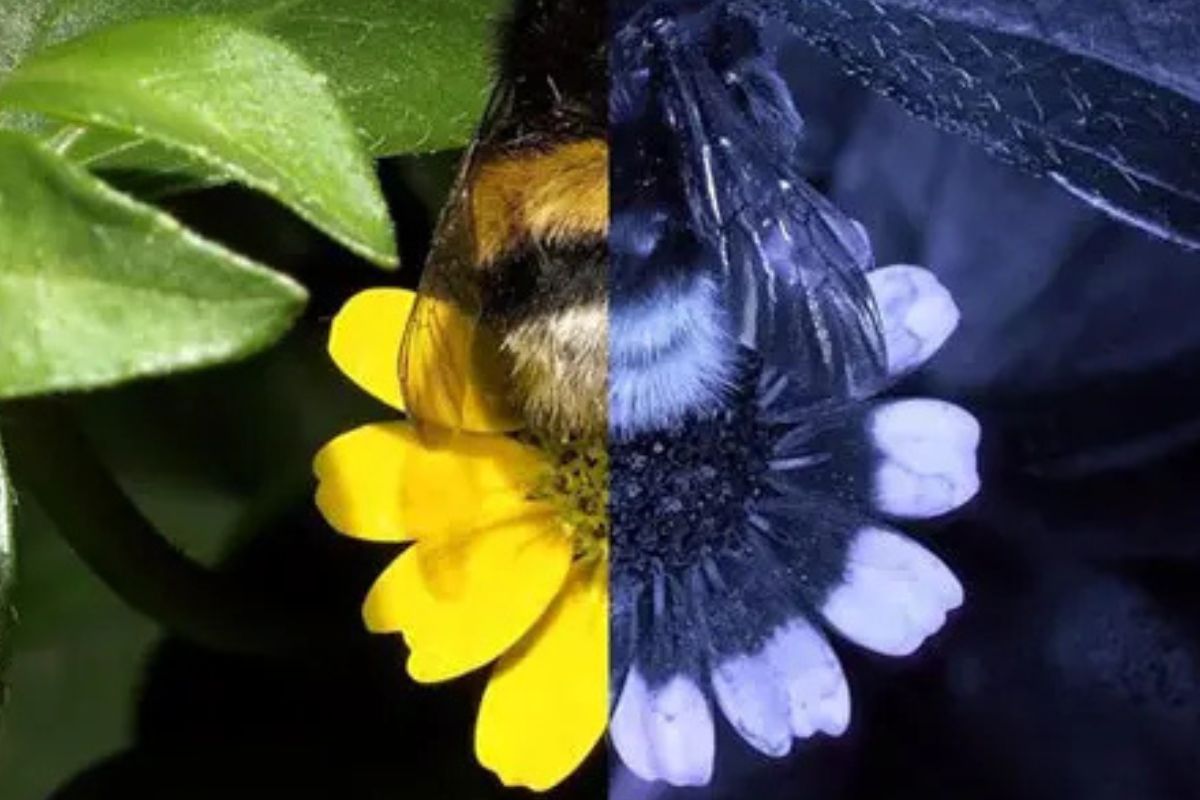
(680, 494)
(576, 485)
(669, 498)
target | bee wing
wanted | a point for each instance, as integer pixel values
(452, 371)
(792, 267)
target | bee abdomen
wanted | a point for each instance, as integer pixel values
(542, 198)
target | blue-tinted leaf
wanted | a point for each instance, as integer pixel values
(1079, 329)
(1102, 95)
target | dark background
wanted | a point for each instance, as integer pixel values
(1072, 671)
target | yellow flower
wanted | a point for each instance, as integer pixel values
(500, 568)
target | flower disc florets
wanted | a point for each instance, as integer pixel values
(681, 493)
(576, 484)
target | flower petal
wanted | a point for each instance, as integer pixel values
(383, 482)
(818, 697)
(894, 595)
(917, 312)
(452, 371)
(546, 704)
(929, 457)
(360, 477)
(754, 702)
(462, 601)
(793, 686)
(365, 341)
(665, 733)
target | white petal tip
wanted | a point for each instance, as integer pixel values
(834, 712)
(918, 314)
(664, 733)
(895, 594)
(753, 702)
(928, 451)
(816, 695)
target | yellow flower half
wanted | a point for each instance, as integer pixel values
(493, 573)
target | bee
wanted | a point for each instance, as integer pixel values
(627, 221)
(511, 319)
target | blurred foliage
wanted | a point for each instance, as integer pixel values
(79, 653)
(411, 73)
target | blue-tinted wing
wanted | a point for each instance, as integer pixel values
(706, 182)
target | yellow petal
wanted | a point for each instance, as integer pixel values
(454, 374)
(546, 704)
(462, 601)
(365, 341)
(383, 482)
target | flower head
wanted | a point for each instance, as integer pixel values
(726, 539)
(736, 534)
(507, 561)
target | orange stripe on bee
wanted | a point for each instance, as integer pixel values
(549, 197)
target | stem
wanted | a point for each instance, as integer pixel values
(54, 460)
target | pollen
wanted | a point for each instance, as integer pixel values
(575, 484)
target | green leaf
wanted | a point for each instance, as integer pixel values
(233, 99)
(7, 575)
(412, 74)
(111, 153)
(96, 288)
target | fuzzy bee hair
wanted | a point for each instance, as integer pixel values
(539, 211)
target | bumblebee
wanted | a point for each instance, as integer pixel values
(627, 221)
(514, 296)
